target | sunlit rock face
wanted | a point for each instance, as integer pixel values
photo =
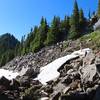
(97, 25)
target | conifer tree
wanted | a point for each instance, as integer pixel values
(74, 30)
(98, 11)
(89, 15)
(82, 21)
(65, 27)
(40, 36)
(43, 29)
(54, 35)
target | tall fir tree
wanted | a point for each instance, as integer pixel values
(89, 15)
(98, 10)
(40, 36)
(43, 29)
(82, 21)
(54, 35)
(65, 27)
(74, 30)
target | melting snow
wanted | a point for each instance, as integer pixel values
(8, 74)
(49, 72)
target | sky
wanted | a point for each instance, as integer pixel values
(18, 16)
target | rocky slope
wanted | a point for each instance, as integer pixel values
(78, 80)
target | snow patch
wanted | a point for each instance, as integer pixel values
(49, 72)
(8, 74)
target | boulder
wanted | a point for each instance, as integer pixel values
(55, 96)
(67, 80)
(88, 73)
(32, 73)
(97, 25)
(48, 89)
(97, 95)
(75, 96)
(89, 59)
(25, 81)
(14, 85)
(97, 62)
(5, 82)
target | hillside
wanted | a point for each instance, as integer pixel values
(7, 46)
(76, 80)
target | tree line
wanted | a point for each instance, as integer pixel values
(71, 27)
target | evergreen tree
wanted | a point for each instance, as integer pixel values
(89, 15)
(54, 35)
(65, 27)
(43, 30)
(98, 11)
(30, 39)
(40, 36)
(82, 21)
(74, 30)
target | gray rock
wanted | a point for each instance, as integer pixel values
(88, 72)
(97, 25)
(55, 96)
(97, 95)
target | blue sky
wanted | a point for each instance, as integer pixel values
(18, 16)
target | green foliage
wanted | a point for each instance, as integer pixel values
(98, 11)
(7, 48)
(50, 38)
(94, 37)
(65, 27)
(40, 36)
(74, 30)
(82, 21)
(54, 34)
(57, 31)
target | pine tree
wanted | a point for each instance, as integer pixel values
(43, 29)
(65, 27)
(82, 21)
(89, 15)
(40, 36)
(54, 34)
(30, 39)
(74, 30)
(98, 11)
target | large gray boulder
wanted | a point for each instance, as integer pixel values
(97, 25)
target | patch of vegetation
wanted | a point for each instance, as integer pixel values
(93, 39)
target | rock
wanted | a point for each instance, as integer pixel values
(35, 82)
(4, 97)
(97, 95)
(2, 88)
(75, 85)
(55, 96)
(25, 81)
(44, 98)
(66, 90)
(14, 85)
(67, 80)
(97, 62)
(32, 93)
(5, 82)
(75, 96)
(48, 89)
(32, 73)
(97, 25)
(89, 59)
(88, 72)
